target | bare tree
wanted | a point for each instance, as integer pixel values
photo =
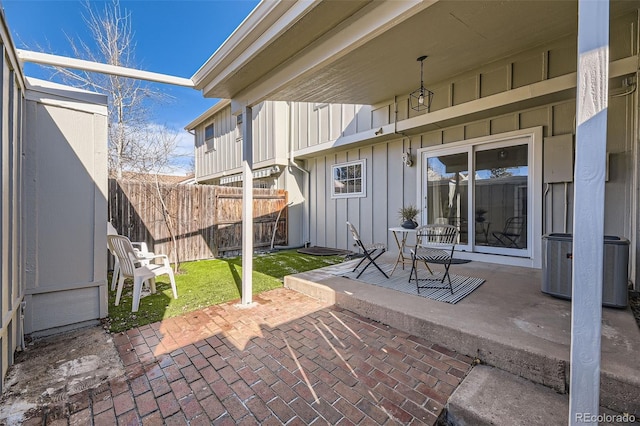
(134, 143)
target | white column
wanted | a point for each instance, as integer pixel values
(588, 215)
(247, 206)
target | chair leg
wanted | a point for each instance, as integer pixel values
(152, 285)
(116, 272)
(372, 261)
(137, 290)
(360, 263)
(173, 285)
(119, 292)
(446, 275)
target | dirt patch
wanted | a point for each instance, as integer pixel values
(52, 369)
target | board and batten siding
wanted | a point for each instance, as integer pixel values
(390, 184)
(224, 156)
(12, 287)
(274, 122)
(65, 208)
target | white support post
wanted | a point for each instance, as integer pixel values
(588, 215)
(247, 206)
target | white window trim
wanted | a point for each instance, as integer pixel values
(363, 177)
(212, 138)
(535, 193)
(239, 120)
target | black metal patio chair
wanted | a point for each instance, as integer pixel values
(436, 244)
(371, 252)
(510, 235)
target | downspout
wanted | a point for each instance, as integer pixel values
(307, 187)
(395, 120)
(195, 163)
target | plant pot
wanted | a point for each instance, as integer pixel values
(409, 224)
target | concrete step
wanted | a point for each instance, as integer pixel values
(480, 400)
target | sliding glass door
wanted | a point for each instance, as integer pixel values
(484, 190)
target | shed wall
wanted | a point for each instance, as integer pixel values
(11, 226)
(66, 207)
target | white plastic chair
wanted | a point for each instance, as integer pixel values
(141, 249)
(131, 267)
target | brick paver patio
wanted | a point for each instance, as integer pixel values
(287, 359)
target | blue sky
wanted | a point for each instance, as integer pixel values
(172, 37)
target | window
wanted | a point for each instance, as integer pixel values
(208, 137)
(349, 180)
(239, 128)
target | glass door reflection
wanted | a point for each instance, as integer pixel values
(448, 190)
(500, 197)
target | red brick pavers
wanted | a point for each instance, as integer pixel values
(287, 359)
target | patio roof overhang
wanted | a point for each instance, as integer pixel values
(364, 52)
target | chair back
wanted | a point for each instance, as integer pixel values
(122, 248)
(354, 231)
(437, 235)
(111, 230)
(514, 225)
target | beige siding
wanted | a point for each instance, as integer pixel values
(223, 155)
(65, 207)
(391, 185)
(11, 258)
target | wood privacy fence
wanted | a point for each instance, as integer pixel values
(207, 219)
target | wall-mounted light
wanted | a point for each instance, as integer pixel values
(407, 160)
(421, 98)
(503, 154)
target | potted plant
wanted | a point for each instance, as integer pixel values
(408, 216)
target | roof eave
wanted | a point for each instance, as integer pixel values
(262, 27)
(207, 114)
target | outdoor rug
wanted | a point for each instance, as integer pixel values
(462, 286)
(324, 251)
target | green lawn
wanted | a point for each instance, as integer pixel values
(209, 282)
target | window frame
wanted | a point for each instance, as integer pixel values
(210, 141)
(363, 180)
(239, 119)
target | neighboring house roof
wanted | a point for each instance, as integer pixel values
(207, 114)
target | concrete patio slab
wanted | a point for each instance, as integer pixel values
(507, 322)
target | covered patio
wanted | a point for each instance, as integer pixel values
(506, 323)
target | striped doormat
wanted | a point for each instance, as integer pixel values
(462, 286)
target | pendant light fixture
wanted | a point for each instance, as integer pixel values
(421, 99)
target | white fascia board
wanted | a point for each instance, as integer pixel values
(276, 16)
(221, 104)
(50, 93)
(369, 25)
(80, 64)
(7, 41)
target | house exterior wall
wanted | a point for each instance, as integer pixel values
(391, 185)
(479, 103)
(222, 156)
(65, 199)
(12, 287)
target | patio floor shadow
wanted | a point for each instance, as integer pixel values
(507, 323)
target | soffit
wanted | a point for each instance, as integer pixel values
(301, 33)
(458, 36)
